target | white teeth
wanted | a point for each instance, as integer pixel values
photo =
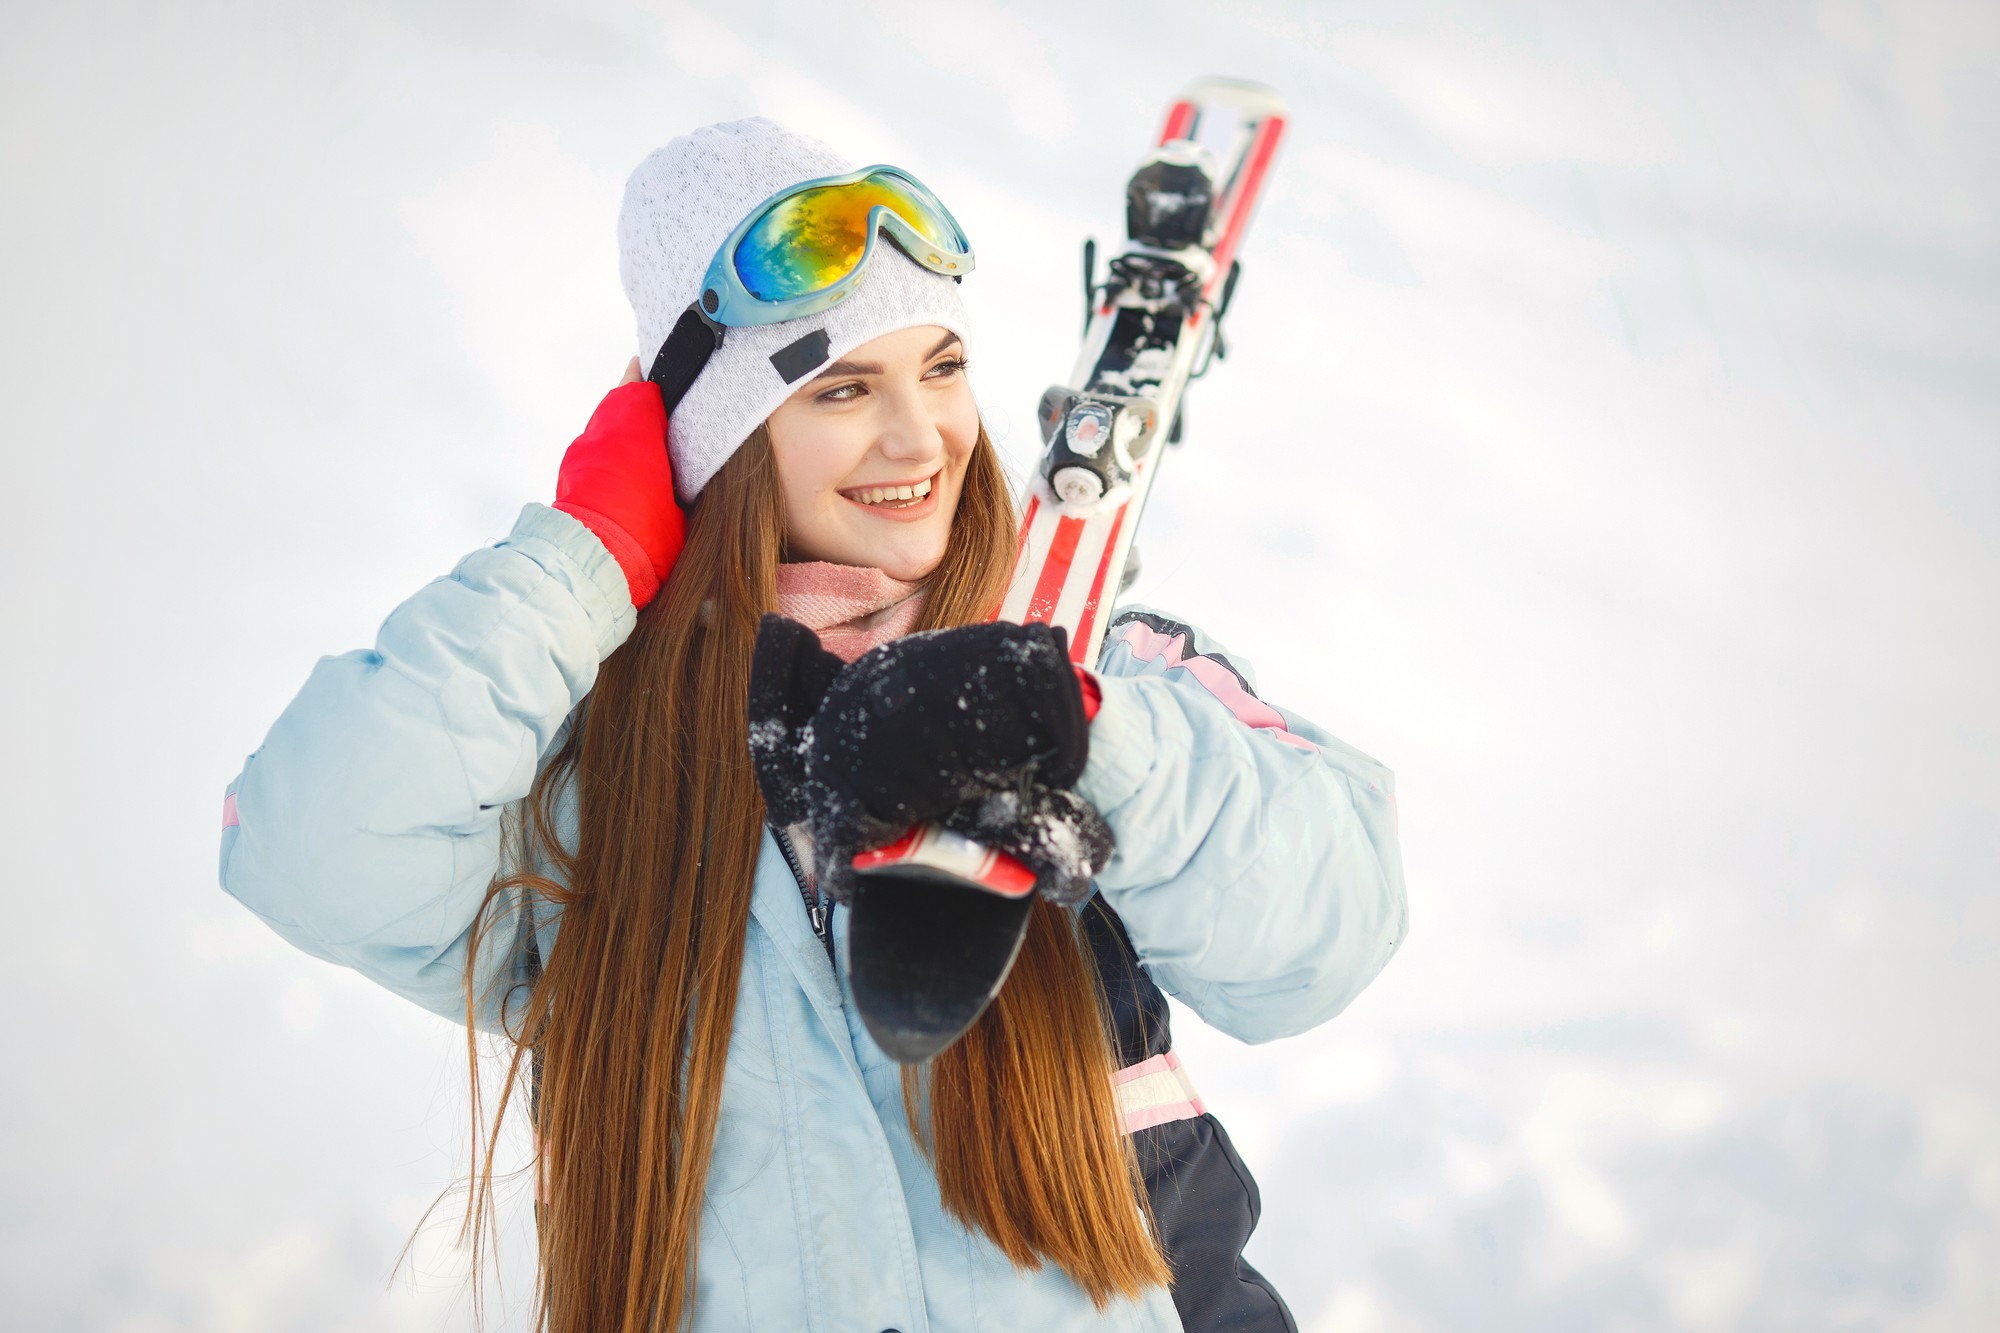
(875, 495)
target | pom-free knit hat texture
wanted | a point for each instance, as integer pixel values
(680, 205)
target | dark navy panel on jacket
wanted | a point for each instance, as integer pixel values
(1204, 1199)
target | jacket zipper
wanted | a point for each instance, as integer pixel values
(815, 912)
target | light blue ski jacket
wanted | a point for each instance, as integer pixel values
(1257, 873)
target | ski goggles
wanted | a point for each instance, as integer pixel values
(802, 251)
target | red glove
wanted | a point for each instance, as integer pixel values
(616, 481)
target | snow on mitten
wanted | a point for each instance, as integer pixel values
(981, 728)
(1051, 830)
(920, 724)
(789, 676)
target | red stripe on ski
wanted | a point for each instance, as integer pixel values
(1079, 641)
(1055, 570)
(1027, 526)
(892, 853)
(1180, 121)
(1020, 555)
(952, 856)
(1240, 185)
(1262, 150)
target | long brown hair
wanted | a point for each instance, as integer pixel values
(630, 1020)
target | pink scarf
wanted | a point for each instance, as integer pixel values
(851, 608)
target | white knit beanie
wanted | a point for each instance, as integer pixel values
(680, 205)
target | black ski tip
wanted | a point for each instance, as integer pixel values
(927, 952)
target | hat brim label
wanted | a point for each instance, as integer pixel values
(796, 360)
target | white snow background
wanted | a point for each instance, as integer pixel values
(1609, 446)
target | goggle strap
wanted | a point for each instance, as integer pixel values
(682, 356)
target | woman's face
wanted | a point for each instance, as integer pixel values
(872, 453)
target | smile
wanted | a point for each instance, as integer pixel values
(896, 496)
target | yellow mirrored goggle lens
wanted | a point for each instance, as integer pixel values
(813, 239)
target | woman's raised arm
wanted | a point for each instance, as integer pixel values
(1257, 870)
(366, 828)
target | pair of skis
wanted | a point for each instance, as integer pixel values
(938, 919)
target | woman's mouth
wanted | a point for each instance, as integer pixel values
(902, 495)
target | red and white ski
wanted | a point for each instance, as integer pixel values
(1154, 323)
(938, 919)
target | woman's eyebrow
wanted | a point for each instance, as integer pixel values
(846, 367)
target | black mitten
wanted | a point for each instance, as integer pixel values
(789, 676)
(917, 727)
(979, 729)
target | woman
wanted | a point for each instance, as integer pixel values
(532, 807)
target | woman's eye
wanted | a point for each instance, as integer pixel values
(841, 393)
(946, 369)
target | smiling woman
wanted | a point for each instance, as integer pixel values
(538, 804)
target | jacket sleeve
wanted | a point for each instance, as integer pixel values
(366, 829)
(1257, 869)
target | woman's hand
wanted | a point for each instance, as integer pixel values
(617, 482)
(983, 729)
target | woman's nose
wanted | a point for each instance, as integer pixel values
(910, 433)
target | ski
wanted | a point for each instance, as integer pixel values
(938, 920)
(1154, 324)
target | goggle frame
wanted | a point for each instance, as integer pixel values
(726, 300)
